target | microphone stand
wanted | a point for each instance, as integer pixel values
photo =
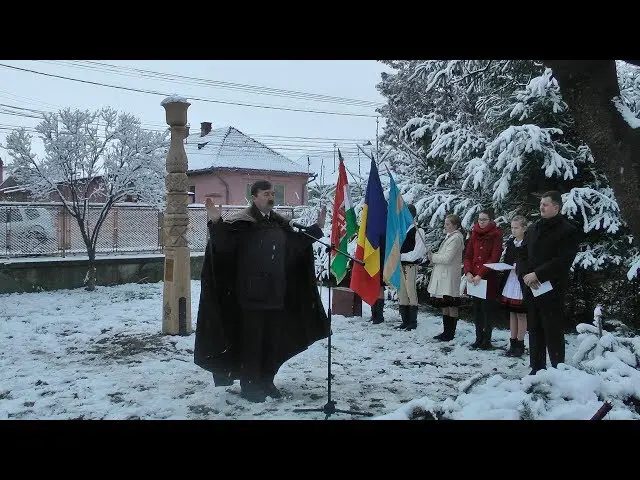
(329, 408)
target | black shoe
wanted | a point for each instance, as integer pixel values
(404, 315)
(221, 381)
(253, 392)
(450, 324)
(377, 311)
(536, 370)
(442, 336)
(512, 348)
(271, 390)
(413, 317)
(519, 348)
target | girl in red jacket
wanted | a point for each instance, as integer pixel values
(485, 246)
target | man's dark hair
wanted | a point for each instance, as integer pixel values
(260, 185)
(412, 209)
(555, 196)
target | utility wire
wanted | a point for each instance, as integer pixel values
(182, 79)
(153, 92)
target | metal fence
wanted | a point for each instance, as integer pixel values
(47, 229)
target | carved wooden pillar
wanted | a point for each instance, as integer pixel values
(176, 301)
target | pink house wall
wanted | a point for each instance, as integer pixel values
(229, 186)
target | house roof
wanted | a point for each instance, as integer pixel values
(230, 148)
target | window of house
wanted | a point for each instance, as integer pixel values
(192, 193)
(279, 189)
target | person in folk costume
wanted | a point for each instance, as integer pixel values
(485, 246)
(512, 286)
(259, 300)
(444, 284)
(412, 253)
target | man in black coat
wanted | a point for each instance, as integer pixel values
(551, 246)
(259, 300)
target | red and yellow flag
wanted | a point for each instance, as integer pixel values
(366, 280)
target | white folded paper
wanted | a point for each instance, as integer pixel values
(543, 288)
(479, 290)
(499, 266)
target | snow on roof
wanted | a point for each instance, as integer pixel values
(230, 148)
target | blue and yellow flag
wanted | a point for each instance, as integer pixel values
(399, 221)
(366, 280)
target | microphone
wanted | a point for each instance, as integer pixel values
(293, 224)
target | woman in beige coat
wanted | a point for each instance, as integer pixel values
(444, 285)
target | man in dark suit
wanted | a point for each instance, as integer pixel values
(551, 246)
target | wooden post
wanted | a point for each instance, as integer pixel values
(176, 301)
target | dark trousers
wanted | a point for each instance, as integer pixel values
(483, 313)
(544, 323)
(261, 330)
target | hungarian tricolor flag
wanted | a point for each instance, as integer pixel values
(343, 223)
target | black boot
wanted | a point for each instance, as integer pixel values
(486, 339)
(270, 388)
(450, 328)
(377, 311)
(512, 347)
(404, 315)
(478, 341)
(413, 317)
(252, 390)
(519, 349)
(442, 335)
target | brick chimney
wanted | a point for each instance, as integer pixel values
(186, 132)
(205, 127)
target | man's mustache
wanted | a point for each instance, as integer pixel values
(271, 202)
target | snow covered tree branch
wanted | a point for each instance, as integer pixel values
(99, 157)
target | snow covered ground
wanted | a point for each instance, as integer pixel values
(73, 354)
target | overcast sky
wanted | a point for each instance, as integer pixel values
(292, 133)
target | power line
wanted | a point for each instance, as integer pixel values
(32, 113)
(152, 92)
(241, 151)
(175, 78)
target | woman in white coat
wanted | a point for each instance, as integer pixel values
(444, 285)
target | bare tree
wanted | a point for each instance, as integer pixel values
(98, 157)
(592, 91)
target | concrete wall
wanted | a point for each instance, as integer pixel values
(26, 275)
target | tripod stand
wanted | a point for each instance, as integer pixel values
(329, 408)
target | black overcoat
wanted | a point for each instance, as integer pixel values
(218, 345)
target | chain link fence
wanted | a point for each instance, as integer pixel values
(47, 229)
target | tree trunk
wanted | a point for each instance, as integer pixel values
(90, 277)
(589, 87)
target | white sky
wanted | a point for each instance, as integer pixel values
(350, 79)
(100, 355)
